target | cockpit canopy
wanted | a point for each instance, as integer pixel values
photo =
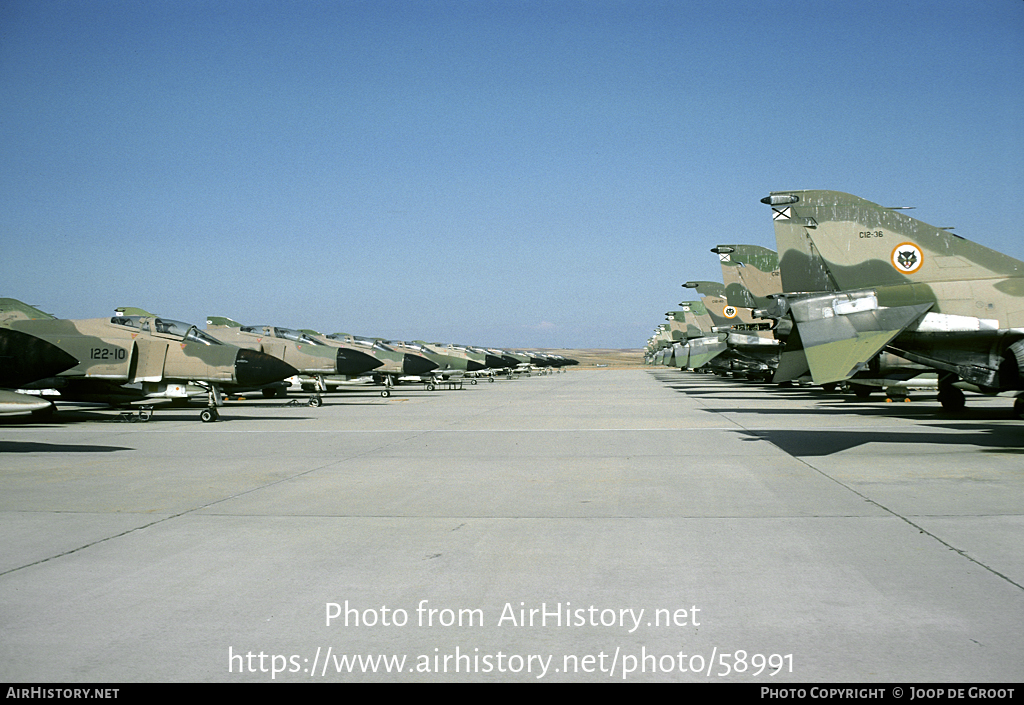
(360, 340)
(165, 326)
(283, 333)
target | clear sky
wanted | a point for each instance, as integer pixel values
(520, 173)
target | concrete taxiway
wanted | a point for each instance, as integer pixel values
(609, 525)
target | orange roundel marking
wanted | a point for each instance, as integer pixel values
(907, 258)
(730, 312)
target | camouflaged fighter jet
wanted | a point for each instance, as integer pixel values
(479, 362)
(693, 344)
(753, 350)
(660, 343)
(752, 278)
(140, 361)
(750, 273)
(452, 362)
(312, 358)
(873, 278)
(392, 362)
(448, 366)
(398, 364)
(25, 359)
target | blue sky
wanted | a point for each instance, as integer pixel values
(510, 173)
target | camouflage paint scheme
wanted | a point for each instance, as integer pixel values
(139, 359)
(687, 340)
(315, 360)
(861, 278)
(752, 347)
(750, 273)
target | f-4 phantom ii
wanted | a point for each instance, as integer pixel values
(397, 363)
(753, 350)
(311, 357)
(687, 340)
(872, 278)
(140, 361)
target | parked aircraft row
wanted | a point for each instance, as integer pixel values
(858, 294)
(139, 360)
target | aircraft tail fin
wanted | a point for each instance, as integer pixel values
(833, 241)
(750, 273)
(133, 311)
(12, 309)
(221, 322)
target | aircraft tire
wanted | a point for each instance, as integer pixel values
(952, 399)
(208, 415)
(385, 393)
(315, 401)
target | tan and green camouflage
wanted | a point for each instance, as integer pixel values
(138, 359)
(753, 350)
(750, 273)
(861, 278)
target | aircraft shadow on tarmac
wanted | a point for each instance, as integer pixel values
(1003, 439)
(33, 447)
(109, 416)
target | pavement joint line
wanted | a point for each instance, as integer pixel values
(801, 460)
(169, 517)
(961, 552)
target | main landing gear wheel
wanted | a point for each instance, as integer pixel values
(952, 398)
(208, 415)
(386, 393)
(315, 400)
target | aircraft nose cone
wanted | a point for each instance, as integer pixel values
(354, 362)
(254, 368)
(25, 358)
(474, 366)
(494, 362)
(417, 364)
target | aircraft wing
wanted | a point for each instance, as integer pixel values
(840, 332)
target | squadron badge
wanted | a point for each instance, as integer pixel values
(907, 258)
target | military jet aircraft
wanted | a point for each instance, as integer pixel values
(750, 273)
(687, 339)
(311, 357)
(397, 363)
(752, 277)
(753, 351)
(139, 361)
(871, 278)
(24, 359)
